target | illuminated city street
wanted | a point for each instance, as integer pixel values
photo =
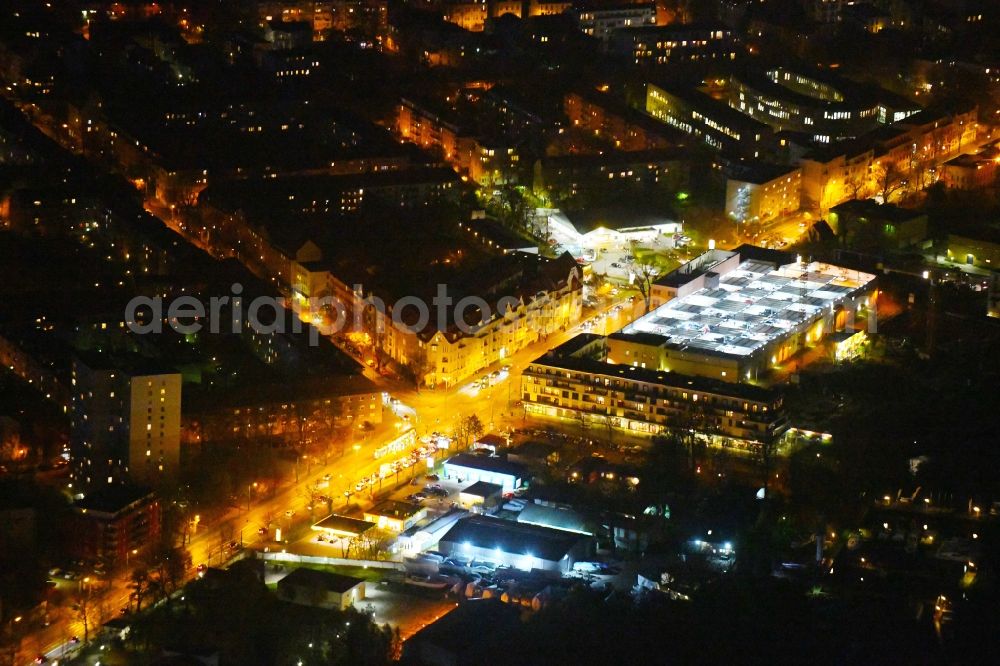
(536, 333)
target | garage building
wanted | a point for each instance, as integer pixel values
(469, 468)
(321, 589)
(395, 516)
(485, 496)
(512, 544)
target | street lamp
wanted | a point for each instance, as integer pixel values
(250, 487)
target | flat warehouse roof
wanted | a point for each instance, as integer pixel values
(512, 538)
(486, 464)
(751, 306)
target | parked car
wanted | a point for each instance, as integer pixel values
(432, 477)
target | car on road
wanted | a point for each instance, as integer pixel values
(432, 477)
(289, 513)
(262, 531)
(41, 659)
(74, 640)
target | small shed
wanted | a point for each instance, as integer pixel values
(395, 516)
(491, 442)
(486, 496)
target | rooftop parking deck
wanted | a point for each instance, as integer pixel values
(751, 306)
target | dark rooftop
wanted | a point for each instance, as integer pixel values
(658, 377)
(331, 582)
(576, 343)
(277, 192)
(870, 208)
(113, 499)
(394, 509)
(616, 158)
(344, 524)
(487, 464)
(473, 633)
(486, 532)
(482, 489)
(641, 337)
(758, 173)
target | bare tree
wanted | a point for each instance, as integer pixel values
(88, 611)
(857, 186)
(888, 180)
(644, 273)
(141, 586)
(470, 428)
(373, 544)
